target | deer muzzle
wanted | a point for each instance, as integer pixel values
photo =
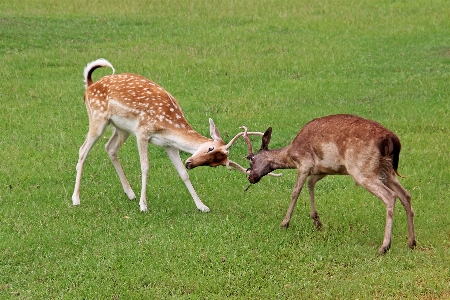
(253, 179)
(189, 165)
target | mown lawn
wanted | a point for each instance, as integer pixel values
(254, 63)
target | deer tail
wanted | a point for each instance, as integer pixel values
(99, 63)
(391, 146)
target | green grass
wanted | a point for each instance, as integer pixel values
(255, 63)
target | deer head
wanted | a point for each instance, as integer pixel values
(260, 163)
(212, 153)
(215, 152)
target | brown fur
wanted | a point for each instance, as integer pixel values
(340, 145)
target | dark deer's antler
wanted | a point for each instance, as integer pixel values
(249, 143)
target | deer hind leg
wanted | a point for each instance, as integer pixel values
(376, 187)
(405, 199)
(301, 178)
(143, 156)
(95, 131)
(174, 155)
(313, 179)
(112, 148)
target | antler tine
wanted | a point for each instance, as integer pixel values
(237, 166)
(233, 140)
(249, 143)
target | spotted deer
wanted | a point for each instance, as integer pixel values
(136, 105)
(339, 145)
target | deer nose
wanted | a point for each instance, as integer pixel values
(189, 165)
(253, 179)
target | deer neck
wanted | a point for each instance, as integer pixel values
(280, 159)
(187, 140)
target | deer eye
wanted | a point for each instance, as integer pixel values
(210, 149)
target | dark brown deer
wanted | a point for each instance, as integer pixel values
(138, 106)
(340, 145)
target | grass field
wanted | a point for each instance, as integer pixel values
(257, 63)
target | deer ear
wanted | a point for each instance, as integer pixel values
(213, 131)
(266, 139)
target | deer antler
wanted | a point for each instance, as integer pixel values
(249, 143)
(233, 140)
(237, 166)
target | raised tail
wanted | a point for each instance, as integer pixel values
(99, 63)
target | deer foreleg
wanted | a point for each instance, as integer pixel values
(174, 155)
(301, 178)
(94, 133)
(313, 179)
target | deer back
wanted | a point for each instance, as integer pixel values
(337, 141)
(133, 102)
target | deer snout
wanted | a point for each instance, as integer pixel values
(189, 164)
(253, 179)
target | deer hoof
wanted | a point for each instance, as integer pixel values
(412, 244)
(383, 249)
(316, 220)
(75, 200)
(130, 194)
(318, 224)
(285, 223)
(143, 207)
(203, 208)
